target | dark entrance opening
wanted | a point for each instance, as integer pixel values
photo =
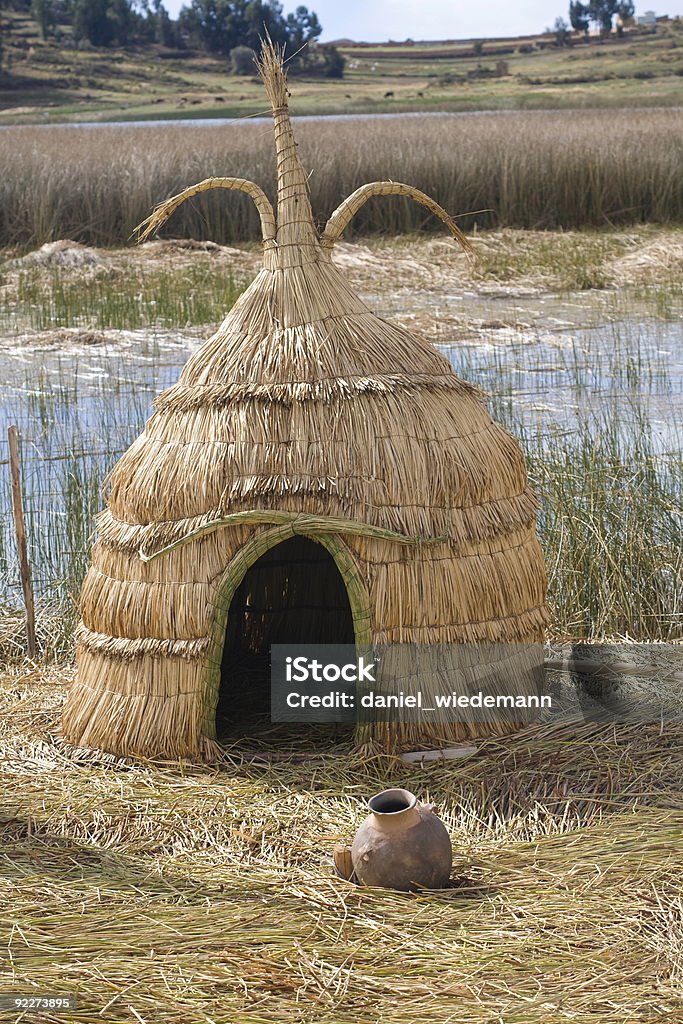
(294, 593)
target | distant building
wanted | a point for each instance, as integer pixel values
(648, 20)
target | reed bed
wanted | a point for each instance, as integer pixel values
(536, 169)
(611, 528)
(75, 423)
(168, 893)
(123, 298)
(609, 476)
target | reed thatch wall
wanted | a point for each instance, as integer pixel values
(304, 403)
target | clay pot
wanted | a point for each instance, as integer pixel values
(402, 844)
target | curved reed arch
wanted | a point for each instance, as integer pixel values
(164, 210)
(300, 522)
(344, 213)
(234, 573)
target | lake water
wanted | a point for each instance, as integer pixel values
(79, 406)
(266, 118)
(103, 393)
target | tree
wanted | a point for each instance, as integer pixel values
(123, 19)
(264, 17)
(320, 61)
(334, 62)
(561, 30)
(302, 27)
(188, 25)
(43, 12)
(220, 26)
(625, 12)
(158, 24)
(578, 16)
(91, 21)
(601, 13)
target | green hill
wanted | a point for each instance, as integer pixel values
(58, 81)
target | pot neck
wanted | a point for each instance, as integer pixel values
(394, 810)
(398, 821)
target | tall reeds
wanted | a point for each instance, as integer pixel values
(605, 456)
(124, 298)
(537, 169)
(74, 420)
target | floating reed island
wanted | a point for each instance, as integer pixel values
(318, 474)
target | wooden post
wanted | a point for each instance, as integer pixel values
(20, 531)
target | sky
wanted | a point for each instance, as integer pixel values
(379, 20)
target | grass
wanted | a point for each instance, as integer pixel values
(534, 170)
(572, 261)
(611, 530)
(168, 893)
(56, 82)
(123, 297)
(611, 489)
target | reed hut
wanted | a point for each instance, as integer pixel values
(317, 474)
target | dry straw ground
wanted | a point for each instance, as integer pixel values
(175, 894)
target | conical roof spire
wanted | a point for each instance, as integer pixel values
(290, 237)
(295, 224)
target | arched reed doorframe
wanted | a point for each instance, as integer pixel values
(236, 570)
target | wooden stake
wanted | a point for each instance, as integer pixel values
(20, 531)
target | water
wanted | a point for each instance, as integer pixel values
(99, 395)
(557, 380)
(78, 407)
(102, 394)
(266, 118)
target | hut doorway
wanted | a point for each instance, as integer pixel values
(293, 593)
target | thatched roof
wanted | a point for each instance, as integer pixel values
(305, 412)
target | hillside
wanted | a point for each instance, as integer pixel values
(46, 81)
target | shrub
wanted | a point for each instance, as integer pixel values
(242, 60)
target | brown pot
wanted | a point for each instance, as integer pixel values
(402, 844)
